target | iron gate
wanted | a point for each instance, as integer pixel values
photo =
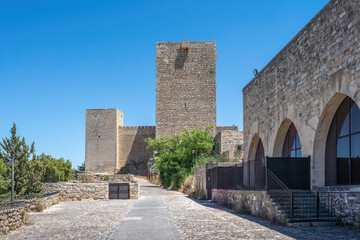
(119, 191)
(293, 172)
(223, 178)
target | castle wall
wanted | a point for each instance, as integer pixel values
(101, 143)
(221, 128)
(132, 148)
(304, 84)
(185, 86)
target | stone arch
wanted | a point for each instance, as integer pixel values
(253, 166)
(322, 130)
(253, 145)
(280, 137)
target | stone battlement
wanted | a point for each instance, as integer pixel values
(136, 127)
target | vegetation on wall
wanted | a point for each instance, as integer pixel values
(30, 171)
(174, 155)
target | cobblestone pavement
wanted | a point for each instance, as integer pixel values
(200, 219)
(205, 220)
(74, 220)
(194, 219)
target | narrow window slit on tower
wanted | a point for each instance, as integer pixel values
(185, 105)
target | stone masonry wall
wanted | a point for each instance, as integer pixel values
(134, 191)
(256, 203)
(73, 191)
(90, 177)
(44, 202)
(304, 84)
(200, 180)
(345, 202)
(230, 141)
(221, 128)
(185, 86)
(132, 148)
(101, 153)
(11, 218)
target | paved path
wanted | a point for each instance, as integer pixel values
(147, 219)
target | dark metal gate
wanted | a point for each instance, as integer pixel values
(224, 178)
(293, 172)
(119, 191)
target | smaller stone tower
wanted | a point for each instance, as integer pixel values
(101, 143)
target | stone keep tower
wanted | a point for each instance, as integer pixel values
(185, 86)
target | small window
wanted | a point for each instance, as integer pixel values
(185, 105)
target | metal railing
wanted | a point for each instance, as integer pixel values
(280, 192)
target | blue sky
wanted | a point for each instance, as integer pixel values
(58, 58)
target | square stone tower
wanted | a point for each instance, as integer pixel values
(185, 86)
(101, 143)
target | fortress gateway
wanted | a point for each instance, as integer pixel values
(185, 97)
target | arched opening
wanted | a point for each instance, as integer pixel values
(292, 145)
(287, 163)
(254, 168)
(260, 166)
(280, 137)
(342, 155)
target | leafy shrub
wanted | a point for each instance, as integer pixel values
(174, 156)
(54, 167)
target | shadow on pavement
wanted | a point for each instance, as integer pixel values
(319, 232)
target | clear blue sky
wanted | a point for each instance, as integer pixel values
(58, 58)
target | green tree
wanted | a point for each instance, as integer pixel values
(174, 154)
(27, 169)
(5, 182)
(53, 167)
(81, 167)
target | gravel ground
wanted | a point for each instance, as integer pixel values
(74, 220)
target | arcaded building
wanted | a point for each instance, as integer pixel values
(185, 97)
(305, 101)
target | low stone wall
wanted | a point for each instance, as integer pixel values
(11, 218)
(200, 181)
(344, 201)
(35, 204)
(90, 177)
(134, 190)
(256, 203)
(74, 191)
(39, 204)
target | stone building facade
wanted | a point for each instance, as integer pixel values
(303, 88)
(229, 142)
(185, 97)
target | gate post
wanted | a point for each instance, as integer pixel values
(317, 205)
(292, 205)
(266, 173)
